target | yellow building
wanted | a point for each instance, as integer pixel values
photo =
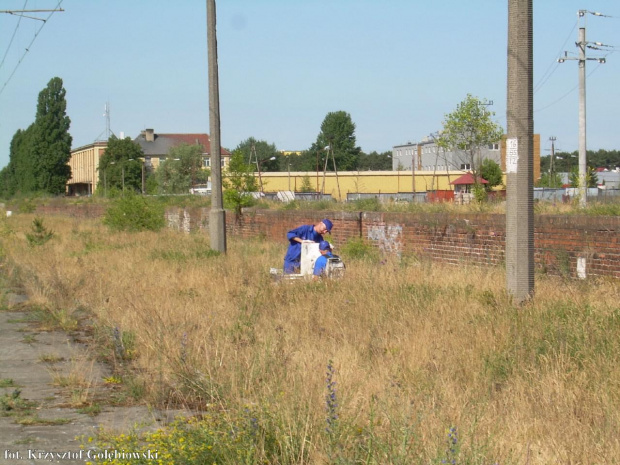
(84, 163)
(371, 182)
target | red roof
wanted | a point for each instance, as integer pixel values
(468, 178)
(192, 139)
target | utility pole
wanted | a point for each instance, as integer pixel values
(330, 150)
(217, 215)
(414, 153)
(551, 170)
(520, 152)
(289, 175)
(582, 45)
(253, 155)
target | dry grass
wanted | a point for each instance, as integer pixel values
(416, 348)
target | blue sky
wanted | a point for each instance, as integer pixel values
(396, 66)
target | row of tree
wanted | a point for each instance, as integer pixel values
(564, 162)
(39, 155)
(334, 145)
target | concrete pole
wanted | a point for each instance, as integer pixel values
(336, 172)
(413, 158)
(217, 215)
(582, 117)
(551, 168)
(520, 152)
(260, 179)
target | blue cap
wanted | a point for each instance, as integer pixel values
(328, 224)
(324, 245)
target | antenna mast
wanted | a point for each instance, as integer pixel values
(107, 121)
(108, 131)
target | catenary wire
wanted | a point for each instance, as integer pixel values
(28, 48)
(13, 36)
(551, 69)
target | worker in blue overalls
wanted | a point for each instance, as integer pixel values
(320, 264)
(305, 233)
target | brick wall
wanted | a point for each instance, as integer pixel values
(560, 241)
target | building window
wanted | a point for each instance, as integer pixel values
(494, 146)
(207, 162)
(465, 166)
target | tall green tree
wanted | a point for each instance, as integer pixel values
(468, 129)
(239, 182)
(264, 151)
(182, 170)
(120, 166)
(21, 170)
(51, 139)
(337, 135)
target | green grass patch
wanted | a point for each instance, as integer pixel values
(7, 382)
(33, 420)
(91, 410)
(13, 403)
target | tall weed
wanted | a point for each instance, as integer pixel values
(431, 363)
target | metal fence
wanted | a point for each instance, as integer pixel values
(419, 197)
(540, 193)
(567, 194)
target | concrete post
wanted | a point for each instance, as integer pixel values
(582, 117)
(217, 215)
(520, 152)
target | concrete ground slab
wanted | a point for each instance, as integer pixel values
(33, 365)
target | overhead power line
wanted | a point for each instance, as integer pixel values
(12, 38)
(36, 34)
(553, 66)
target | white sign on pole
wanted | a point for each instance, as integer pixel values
(512, 155)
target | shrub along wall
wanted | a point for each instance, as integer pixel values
(560, 241)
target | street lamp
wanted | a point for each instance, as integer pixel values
(123, 172)
(105, 181)
(260, 179)
(326, 150)
(141, 171)
(414, 151)
(289, 176)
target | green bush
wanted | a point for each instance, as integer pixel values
(480, 193)
(135, 213)
(359, 249)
